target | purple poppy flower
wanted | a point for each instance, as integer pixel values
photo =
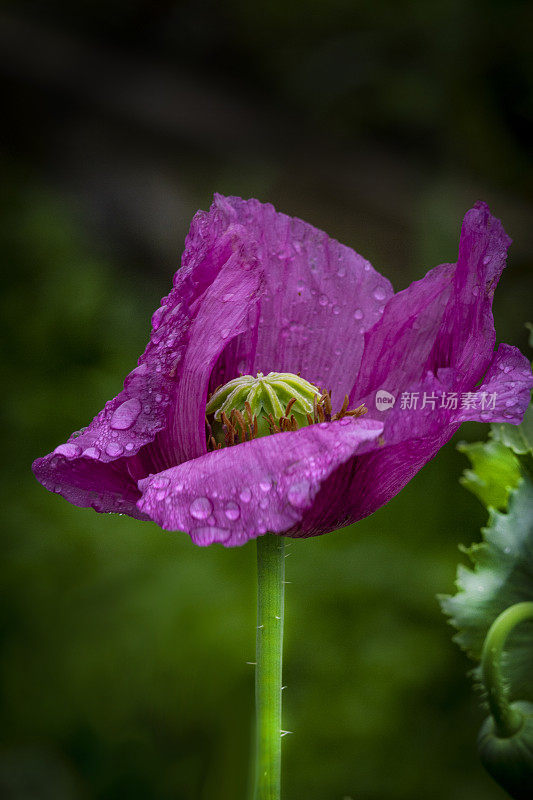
(260, 292)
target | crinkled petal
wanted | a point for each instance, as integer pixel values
(412, 436)
(467, 337)
(222, 315)
(268, 484)
(136, 433)
(505, 392)
(442, 321)
(319, 299)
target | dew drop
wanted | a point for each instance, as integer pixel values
(161, 494)
(68, 450)
(157, 317)
(224, 333)
(358, 314)
(379, 293)
(486, 260)
(265, 484)
(201, 508)
(341, 272)
(345, 421)
(509, 403)
(323, 300)
(232, 510)
(227, 296)
(130, 446)
(114, 449)
(298, 494)
(336, 310)
(126, 414)
(91, 452)
(245, 495)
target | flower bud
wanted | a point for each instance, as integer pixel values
(509, 759)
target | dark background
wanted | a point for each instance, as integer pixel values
(124, 668)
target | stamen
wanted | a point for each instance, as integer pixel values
(289, 406)
(240, 421)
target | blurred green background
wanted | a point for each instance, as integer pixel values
(124, 669)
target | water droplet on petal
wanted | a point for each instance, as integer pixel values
(157, 317)
(224, 333)
(358, 314)
(509, 403)
(126, 414)
(323, 300)
(91, 452)
(298, 494)
(379, 293)
(265, 484)
(114, 449)
(227, 296)
(336, 310)
(201, 508)
(232, 510)
(245, 495)
(68, 450)
(486, 260)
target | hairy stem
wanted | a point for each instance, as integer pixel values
(269, 647)
(506, 720)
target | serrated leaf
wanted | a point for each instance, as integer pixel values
(518, 437)
(495, 472)
(502, 574)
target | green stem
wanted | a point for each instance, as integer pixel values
(270, 596)
(506, 720)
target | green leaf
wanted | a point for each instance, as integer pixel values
(495, 472)
(518, 437)
(501, 575)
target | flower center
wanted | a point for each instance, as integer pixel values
(249, 407)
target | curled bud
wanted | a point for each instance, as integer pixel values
(509, 759)
(505, 741)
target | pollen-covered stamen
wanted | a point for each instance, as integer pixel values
(247, 408)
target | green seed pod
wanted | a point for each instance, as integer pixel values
(509, 759)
